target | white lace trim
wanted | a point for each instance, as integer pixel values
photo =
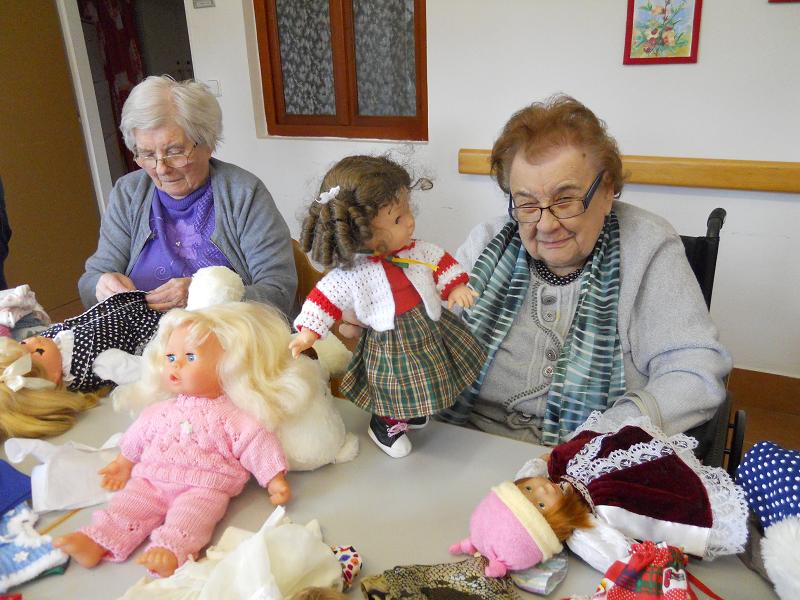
(728, 504)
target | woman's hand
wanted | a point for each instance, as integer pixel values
(112, 283)
(302, 341)
(116, 474)
(351, 327)
(279, 490)
(172, 294)
(463, 296)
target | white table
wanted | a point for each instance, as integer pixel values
(395, 512)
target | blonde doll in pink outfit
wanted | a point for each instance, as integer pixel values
(186, 455)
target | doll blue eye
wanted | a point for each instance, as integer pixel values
(171, 358)
(190, 356)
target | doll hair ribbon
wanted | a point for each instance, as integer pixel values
(326, 197)
(14, 376)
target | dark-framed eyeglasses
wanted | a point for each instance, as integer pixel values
(173, 161)
(566, 209)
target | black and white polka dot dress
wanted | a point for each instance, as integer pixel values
(122, 321)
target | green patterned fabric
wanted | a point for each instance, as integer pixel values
(415, 369)
(589, 373)
(501, 276)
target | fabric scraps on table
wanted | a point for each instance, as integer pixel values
(464, 580)
(15, 487)
(24, 554)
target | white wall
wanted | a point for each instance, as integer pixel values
(487, 59)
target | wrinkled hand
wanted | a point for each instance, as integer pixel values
(463, 296)
(279, 490)
(116, 474)
(302, 341)
(351, 327)
(172, 294)
(112, 283)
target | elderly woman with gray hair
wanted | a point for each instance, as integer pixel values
(184, 209)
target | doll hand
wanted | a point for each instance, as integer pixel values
(112, 283)
(172, 294)
(463, 296)
(545, 457)
(350, 327)
(302, 341)
(279, 490)
(116, 474)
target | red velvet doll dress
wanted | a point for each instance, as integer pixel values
(651, 487)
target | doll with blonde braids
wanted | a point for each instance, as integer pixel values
(414, 357)
(215, 375)
(33, 400)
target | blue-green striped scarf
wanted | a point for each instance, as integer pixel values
(589, 373)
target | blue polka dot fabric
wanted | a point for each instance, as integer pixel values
(770, 476)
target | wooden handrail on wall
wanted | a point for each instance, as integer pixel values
(685, 172)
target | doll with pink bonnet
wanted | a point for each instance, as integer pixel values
(627, 478)
(194, 449)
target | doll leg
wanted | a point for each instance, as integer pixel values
(131, 515)
(390, 436)
(188, 526)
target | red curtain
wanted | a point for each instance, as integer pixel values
(122, 59)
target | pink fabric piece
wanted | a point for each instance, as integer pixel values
(188, 514)
(498, 535)
(5, 331)
(202, 442)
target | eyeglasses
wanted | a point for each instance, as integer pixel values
(173, 161)
(566, 209)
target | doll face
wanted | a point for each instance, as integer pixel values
(192, 368)
(45, 353)
(542, 492)
(393, 226)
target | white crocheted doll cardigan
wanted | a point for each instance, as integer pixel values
(364, 289)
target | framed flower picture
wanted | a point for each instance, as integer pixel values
(662, 31)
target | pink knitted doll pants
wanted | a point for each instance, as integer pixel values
(188, 514)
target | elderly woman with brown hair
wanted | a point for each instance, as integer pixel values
(586, 303)
(185, 210)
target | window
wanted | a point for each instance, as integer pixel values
(344, 68)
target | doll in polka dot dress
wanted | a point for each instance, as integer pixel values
(189, 453)
(415, 357)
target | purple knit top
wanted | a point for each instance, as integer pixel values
(180, 239)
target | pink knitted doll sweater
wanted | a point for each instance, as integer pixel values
(202, 442)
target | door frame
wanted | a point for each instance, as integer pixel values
(88, 112)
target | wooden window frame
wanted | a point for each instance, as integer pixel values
(346, 123)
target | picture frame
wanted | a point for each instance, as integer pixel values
(662, 31)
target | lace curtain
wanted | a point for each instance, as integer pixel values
(385, 57)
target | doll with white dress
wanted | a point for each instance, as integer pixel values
(415, 357)
(188, 454)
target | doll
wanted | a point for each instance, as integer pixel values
(41, 395)
(32, 403)
(186, 455)
(414, 357)
(645, 485)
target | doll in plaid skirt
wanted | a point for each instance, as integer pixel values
(414, 357)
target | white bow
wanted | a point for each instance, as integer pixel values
(326, 197)
(13, 376)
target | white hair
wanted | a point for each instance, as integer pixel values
(256, 371)
(160, 100)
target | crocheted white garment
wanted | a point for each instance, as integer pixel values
(365, 289)
(728, 504)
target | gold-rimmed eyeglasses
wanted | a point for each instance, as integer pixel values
(173, 161)
(565, 209)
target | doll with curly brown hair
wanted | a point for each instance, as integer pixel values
(414, 357)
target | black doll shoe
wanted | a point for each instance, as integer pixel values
(418, 422)
(392, 439)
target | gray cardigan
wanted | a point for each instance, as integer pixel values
(674, 363)
(249, 230)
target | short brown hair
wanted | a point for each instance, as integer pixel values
(558, 121)
(334, 232)
(568, 514)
